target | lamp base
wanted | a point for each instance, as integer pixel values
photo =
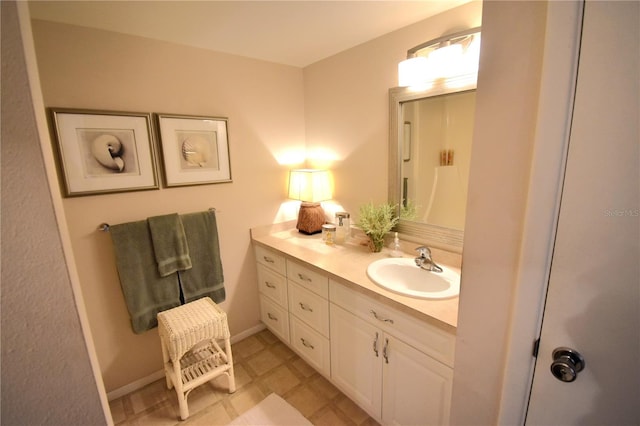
(310, 218)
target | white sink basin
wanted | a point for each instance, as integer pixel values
(401, 275)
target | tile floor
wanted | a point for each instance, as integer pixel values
(263, 364)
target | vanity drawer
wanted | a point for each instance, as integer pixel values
(309, 307)
(311, 345)
(275, 318)
(271, 259)
(272, 284)
(311, 280)
(423, 336)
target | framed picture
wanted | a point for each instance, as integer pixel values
(406, 141)
(195, 150)
(103, 152)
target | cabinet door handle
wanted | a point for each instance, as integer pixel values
(272, 317)
(304, 277)
(375, 315)
(305, 307)
(268, 284)
(304, 342)
(375, 345)
(384, 351)
(268, 259)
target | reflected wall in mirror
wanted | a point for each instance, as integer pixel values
(437, 132)
(429, 155)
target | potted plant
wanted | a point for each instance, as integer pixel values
(376, 221)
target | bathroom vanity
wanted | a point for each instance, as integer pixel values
(391, 354)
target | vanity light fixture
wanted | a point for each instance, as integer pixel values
(310, 186)
(445, 58)
(412, 71)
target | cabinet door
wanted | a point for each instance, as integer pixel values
(308, 278)
(311, 345)
(309, 307)
(355, 365)
(416, 388)
(275, 317)
(271, 259)
(273, 285)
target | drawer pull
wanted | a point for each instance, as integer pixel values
(268, 259)
(375, 315)
(272, 317)
(304, 277)
(375, 345)
(268, 284)
(305, 307)
(384, 351)
(307, 344)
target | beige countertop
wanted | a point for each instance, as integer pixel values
(347, 263)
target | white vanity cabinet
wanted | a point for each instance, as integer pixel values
(309, 315)
(294, 306)
(397, 367)
(379, 358)
(272, 284)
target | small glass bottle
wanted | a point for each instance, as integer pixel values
(329, 233)
(343, 227)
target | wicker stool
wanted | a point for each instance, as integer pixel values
(189, 337)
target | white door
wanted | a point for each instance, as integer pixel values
(416, 388)
(356, 353)
(593, 300)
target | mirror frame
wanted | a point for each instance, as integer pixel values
(437, 236)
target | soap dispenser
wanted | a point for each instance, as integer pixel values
(397, 251)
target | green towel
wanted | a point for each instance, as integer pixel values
(145, 292)
(205, 278)
(169, 244)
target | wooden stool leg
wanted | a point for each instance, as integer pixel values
(165, 364)
(182, 399)
(230, 373)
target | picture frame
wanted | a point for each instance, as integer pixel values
(195, 149)
(102, 152)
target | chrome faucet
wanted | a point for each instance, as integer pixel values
(425, 261)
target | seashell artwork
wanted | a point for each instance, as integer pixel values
(107, 150)
(196, 150)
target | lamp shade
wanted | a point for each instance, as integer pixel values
(309, 185)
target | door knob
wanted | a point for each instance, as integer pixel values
(566, 365)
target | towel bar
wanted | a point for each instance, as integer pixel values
(104, 227)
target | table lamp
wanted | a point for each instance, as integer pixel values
(310, 186)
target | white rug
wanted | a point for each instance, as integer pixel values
(271, 411)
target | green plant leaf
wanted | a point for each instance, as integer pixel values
(376, 221)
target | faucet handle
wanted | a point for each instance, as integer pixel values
(424, 251)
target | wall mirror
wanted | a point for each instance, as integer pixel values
(430, 135)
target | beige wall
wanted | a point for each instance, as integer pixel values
(506, 115)
(83, 68)
(47, 375)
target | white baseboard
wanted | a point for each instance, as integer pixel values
(134, 386)
(140, 383)
(250, 332)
